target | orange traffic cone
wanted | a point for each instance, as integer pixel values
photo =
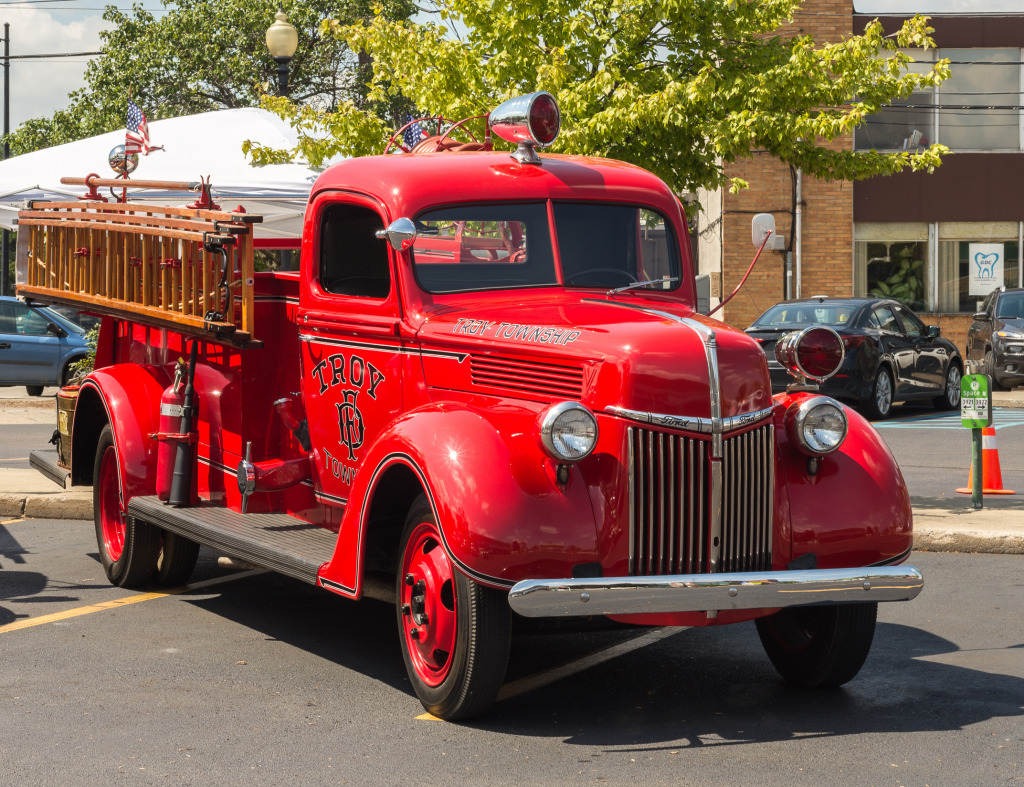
(991, 475)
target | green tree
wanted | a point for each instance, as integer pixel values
(677, 86)
(203, 55)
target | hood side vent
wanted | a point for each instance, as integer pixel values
(527, 378)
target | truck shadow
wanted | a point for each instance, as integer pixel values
(701, 687)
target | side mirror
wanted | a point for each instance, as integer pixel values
(402, 233)
(934, 332)
(762, 225)
(56, 330)
(981, 316)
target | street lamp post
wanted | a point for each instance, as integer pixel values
(5, 243)
(282, 40)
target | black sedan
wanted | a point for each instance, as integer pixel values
(997, 337)
(890, 355)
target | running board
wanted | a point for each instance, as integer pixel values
(47, 463)
(278, 542)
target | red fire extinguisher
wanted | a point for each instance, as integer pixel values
(177, 404)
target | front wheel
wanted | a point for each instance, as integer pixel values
(950, 398)
(455, 633)
(128, 548)
(34, 390)
(819, 647)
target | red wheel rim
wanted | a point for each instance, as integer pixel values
(111, 514)
(429, 620)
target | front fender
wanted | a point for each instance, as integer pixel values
(855, 511)
(502, 515)
(127, 396)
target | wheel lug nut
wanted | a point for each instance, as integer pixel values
(414, 633)
(405, 609)
(410, 580)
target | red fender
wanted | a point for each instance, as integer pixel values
(856, 510)
(492, 491)
(130, 396)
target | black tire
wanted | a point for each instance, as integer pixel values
(882, 392)
(819, 647)
(177, 560)
(455, 634)
(128, 548)
(990, 370)
(34, 390)
(950, 397)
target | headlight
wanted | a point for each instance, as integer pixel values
(1010, 334)
(817, 425)
(568, 431)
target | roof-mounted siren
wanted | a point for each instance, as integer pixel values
(532, 121)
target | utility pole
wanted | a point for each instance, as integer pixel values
(5, 244)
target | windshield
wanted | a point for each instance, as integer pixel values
(1011, 306)
(786, 315)
(60, 320)
(483, 247)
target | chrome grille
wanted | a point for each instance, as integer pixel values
(673, 502)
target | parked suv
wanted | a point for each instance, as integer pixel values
(997, 337)
(37, 346)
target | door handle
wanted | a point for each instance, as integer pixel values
(5, 345)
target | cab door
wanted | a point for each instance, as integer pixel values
(350, 351)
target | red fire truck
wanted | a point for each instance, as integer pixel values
(486, 393)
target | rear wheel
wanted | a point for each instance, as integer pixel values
(34, 390)
(950, 398)
(455, 633)
(819, 647)
(176, 561)
(880, 403)
(128, 548)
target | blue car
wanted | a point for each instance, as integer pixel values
(37, 346)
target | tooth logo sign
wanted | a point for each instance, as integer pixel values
(986, 265)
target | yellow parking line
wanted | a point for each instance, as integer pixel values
(545, 677)
(121, 602)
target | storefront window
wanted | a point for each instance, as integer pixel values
(907, 123)
(891, 261)
(970, 269)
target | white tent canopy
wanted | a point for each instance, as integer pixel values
(196, 147)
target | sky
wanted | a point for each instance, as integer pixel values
(40, 87)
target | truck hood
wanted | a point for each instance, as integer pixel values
(648, 356)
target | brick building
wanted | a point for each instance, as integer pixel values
(911, 234)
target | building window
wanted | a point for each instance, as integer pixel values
(977, 108)
(974, 259)
(891, 261)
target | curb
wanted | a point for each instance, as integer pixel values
(1003, 543)
(54, 506)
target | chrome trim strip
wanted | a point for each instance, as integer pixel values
(690, 423)
(896, 558)
(539, 598)
(715, 517)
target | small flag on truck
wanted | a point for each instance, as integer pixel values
(413, 135)
(136, 135)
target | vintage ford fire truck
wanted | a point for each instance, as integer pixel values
(485, 394)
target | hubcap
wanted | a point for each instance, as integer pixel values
(883, 393)
(429, 621)
(111, 514)
(953, 386)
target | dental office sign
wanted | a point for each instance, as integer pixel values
(985, 263)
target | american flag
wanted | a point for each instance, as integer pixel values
(413, 134)
(136, 135)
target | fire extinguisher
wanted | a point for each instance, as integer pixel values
(175, 453)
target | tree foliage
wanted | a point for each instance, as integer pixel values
(676, 86)
(202, 55)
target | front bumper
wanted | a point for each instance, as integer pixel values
(544, 598)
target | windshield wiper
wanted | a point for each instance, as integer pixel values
(649, 283)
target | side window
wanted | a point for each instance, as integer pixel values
(911, 324)
(885, 319)
(353, 260)
(29, 322)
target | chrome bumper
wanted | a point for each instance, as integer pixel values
(544, 598)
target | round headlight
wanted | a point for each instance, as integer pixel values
(568, 431)
(817, 425)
